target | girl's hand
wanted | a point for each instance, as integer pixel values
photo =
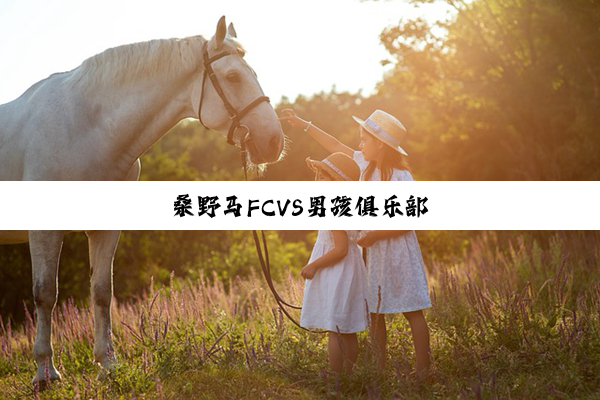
(294, 120)
(368, 239)
(309, 272)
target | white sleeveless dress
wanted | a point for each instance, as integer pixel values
(335, 298)
(395, 265)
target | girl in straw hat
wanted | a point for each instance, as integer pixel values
(397, 282)
(335, 290)
(380, 157)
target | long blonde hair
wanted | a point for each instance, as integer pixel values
(390, 160)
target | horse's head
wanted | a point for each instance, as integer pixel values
(233, 102)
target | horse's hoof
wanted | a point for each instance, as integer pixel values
(40, 383)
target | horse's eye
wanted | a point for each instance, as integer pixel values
(233, 77)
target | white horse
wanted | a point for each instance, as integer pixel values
(45, 248)
(94, 122)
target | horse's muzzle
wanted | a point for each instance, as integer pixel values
(258, 154)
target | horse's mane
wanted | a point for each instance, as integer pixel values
(133, 62)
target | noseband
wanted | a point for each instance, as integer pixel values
(235, 116)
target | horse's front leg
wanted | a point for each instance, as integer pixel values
(45, 247)
(103, 245)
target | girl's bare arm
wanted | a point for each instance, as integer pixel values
(339, 251)
(331, 144)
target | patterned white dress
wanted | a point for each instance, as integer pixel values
(335, 298)
(397, 174)
(395, 265)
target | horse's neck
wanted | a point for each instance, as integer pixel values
(137, 114)
(145, 115)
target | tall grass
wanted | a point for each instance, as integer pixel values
(524, 320)
(514, 320)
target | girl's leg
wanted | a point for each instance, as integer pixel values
(351, 346)
(336, 362)
(420, 333)
(343, 351)
(379, 338)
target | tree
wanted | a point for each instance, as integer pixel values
(504, 90)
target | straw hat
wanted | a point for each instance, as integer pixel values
(339, 166)
(386, 128)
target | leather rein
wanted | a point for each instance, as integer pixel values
(266, 268)
(236, 117)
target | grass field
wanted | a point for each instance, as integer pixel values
(508, 321)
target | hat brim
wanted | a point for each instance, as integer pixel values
(372, 132)
(317, 166)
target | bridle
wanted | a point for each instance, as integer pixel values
(235, 116)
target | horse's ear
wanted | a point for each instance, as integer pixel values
(221, 31)
(231, 30)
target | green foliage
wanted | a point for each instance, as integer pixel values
(189, 152)
(447, 246)
(510, 88)
(15, 280)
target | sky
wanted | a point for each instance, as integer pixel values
(296, 47)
